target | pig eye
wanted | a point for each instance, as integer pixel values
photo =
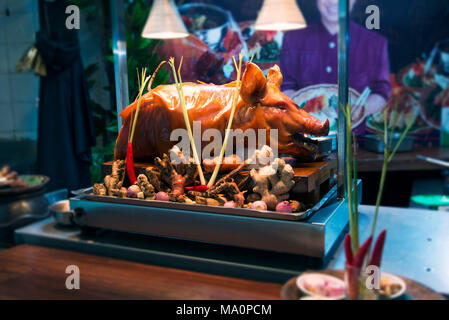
(281, 106)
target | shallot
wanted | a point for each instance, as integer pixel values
(162, 196)
(133, 191)
(284, 207)
(230, 204)
(259, 205)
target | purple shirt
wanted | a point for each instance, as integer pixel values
(309, 56)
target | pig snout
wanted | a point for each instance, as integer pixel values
(305, 123)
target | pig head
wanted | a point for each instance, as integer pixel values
(261, 105)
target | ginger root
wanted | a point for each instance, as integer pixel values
(146, 187)
(99, 189)
(273, 182)
(114, 181)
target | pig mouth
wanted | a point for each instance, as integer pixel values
(310, 146)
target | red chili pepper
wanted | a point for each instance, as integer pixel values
(130, 164)
(376, 257)
(200, 188)
(359, 257)
(348, 250)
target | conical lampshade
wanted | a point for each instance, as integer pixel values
(280, 15)
(164, 22)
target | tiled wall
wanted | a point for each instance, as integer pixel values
(18, 91)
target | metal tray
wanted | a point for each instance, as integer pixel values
(314, 236)
(375, 144)
(294, 216)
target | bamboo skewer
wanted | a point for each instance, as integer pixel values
(231, 117)
(178, 84)
(142, 84)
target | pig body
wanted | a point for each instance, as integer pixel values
(261, 105)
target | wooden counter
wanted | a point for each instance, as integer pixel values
(32, 272)
(368, 161)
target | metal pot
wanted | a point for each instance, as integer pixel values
(375, 144)
(16, 210)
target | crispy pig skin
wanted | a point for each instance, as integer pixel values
(261, 105)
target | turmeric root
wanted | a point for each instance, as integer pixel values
(230, 189)
(177, 172)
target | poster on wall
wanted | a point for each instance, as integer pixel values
(418, 59)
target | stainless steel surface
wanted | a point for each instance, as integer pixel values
(375, 144)
(57, 195)
(313, 237)
(343, 45)
(120, 62)
(324, 146)
(327, 197)
(416, 247)
(17, 209)
(61, 212)
(81, 191)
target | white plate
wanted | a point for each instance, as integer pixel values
(305, 94)
(300, 284)
(394, 279)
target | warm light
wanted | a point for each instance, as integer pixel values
(164, 22)
(280, 15)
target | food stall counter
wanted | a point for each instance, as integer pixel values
(421, 235)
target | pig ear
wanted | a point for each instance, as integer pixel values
(253, 84)
(275, 76)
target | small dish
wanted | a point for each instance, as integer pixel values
(62, 213)
(321, 286)
(388, 279)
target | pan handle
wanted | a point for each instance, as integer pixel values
(76, 216)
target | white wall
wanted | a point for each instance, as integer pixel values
(18, 91)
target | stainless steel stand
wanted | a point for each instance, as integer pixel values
(120, 61)
(343, 45)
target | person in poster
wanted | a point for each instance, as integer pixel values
(309, 57)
